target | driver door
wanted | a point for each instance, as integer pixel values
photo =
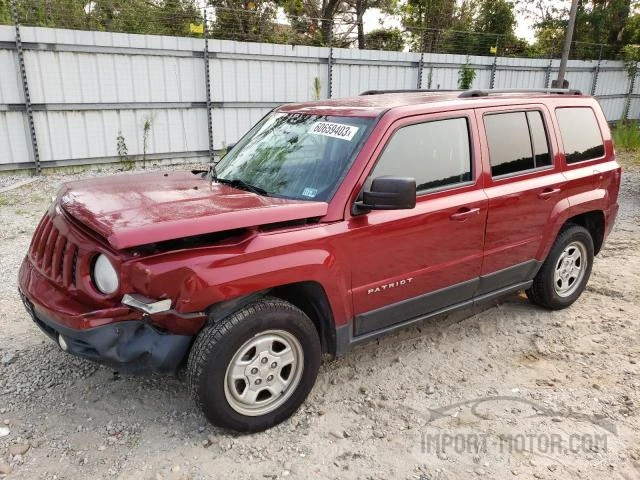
(418, 261)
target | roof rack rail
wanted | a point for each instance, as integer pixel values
(408, 90)
(486, 93)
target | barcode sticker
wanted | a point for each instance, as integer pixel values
(335, 130)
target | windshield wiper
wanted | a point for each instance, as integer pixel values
(237, 183)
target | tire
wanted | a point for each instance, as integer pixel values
(553, 287)
(240, 375)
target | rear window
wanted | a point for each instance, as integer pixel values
(517, 142)
(580, 133)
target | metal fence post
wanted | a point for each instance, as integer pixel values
(25, 89)
(420, 67)
(596, 73)
(547, 78)
(494, 65)
(632, 83)
(207, 77)
(330, 64)
(421, 62)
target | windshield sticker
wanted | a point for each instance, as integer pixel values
(310, 192)
(335, 130)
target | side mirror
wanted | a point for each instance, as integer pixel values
(389, 193)
(228, 149)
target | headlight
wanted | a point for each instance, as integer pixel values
(105, 276)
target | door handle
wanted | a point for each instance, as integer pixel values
(464, 213)
(599, 176)
(548, 192)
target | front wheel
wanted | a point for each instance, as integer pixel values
(253, 369)
(566, 270)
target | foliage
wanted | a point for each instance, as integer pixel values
(360, 7)
(162, 17)
(470, 27)
(317, 88)
(425, 19)
(384, 39)
(146, 131)
(123, 152)
(244, 21)
(121, 146)
(626, 136)
(631, 57)
(598, 22)
(313, 20)
(466, 76)
(631, 32)
(495, 17)
(5, 12)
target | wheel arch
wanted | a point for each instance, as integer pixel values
(311, 298)
(308, 296)
(594, 222)
(592, 217)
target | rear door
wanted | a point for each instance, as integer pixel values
(524, 185)
(410, 262)
(584, 150)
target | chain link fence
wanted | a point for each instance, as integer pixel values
(266, 24)
(191, 81)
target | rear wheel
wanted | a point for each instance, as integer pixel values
(253, 369)
(566, 270)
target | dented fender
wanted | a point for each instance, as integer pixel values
(202, 279)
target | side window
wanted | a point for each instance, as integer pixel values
(541, 154)
(580, 133)
(517, 142)
(435, 153)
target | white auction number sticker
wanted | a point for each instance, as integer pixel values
(335, 130)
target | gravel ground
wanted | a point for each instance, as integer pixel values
(511, 391)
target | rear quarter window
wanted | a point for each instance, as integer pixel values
(580, 132)
(517, 142)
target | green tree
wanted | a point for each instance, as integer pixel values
(425, 20)
(252, 20)
(314, 19)
(597, 22)
(631, 32)
(360, 7)
(496, 17)
(5, 12)
(384, 39)
(162, 17)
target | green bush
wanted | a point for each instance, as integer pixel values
(466, 76)
(626, 136)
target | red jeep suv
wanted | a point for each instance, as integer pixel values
(329, 224)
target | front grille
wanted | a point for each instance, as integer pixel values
(53, 255)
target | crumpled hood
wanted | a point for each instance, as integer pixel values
(132, 210)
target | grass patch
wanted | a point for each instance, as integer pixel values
(626, 136)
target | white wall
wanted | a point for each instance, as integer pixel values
(86, 87)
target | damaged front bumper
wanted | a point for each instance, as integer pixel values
(132, 346)
(124, 338)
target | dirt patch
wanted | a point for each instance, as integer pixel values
(478, 394)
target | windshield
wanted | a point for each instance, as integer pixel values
(294, 155)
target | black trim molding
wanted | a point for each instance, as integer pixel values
(373, 324)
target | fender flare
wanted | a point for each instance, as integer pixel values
(223, 309)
